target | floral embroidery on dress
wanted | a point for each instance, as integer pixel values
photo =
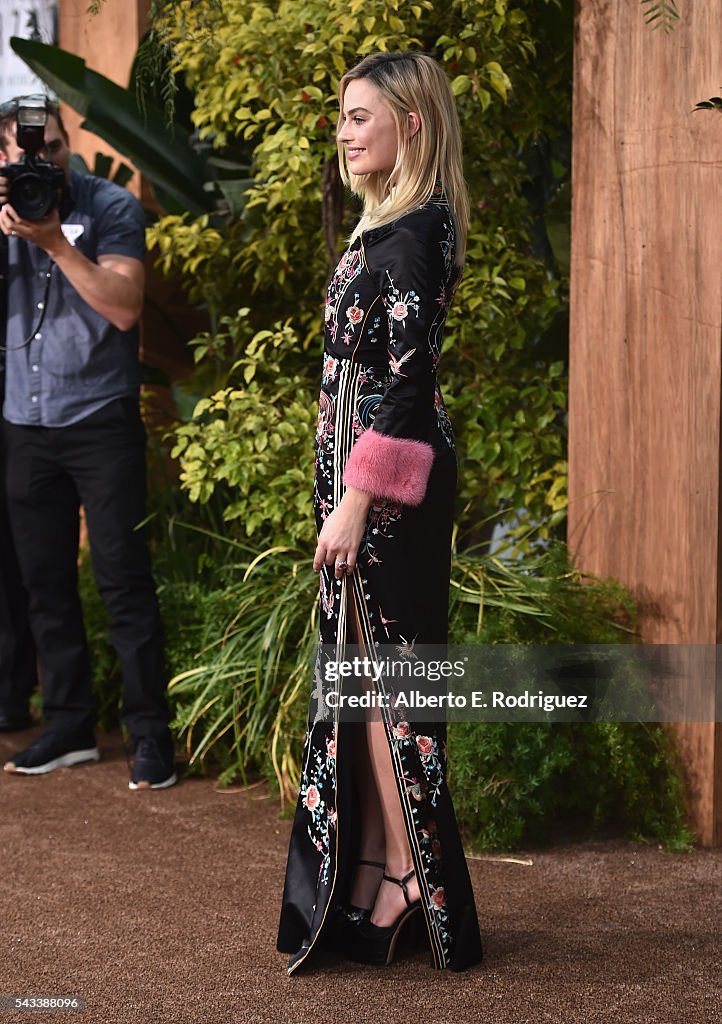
(423, 784)
(433, 766)
(381, 519)
(324, 422)
(448, 249)
(349, 267)
(442, 418)
(330, 369)
(398, 304)
(325, 435)
(354, 316)
(328, 596)
(317, 790)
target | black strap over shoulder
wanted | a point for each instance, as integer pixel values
(3, 308)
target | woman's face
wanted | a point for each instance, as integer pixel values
(367, 129)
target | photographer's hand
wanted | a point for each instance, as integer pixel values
(112, 287)
(45, 232)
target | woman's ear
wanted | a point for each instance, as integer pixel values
(414, 124)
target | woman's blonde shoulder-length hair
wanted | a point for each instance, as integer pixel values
(412, 81)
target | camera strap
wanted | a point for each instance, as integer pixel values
(3, 307)
(42, 306)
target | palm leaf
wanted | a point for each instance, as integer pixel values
(661, 14)
(111, 112)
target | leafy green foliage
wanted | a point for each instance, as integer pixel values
(243, 703)
(516, 782)
(254, 439)
(542, 599)
(267, 74)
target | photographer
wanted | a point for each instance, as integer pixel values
(73, 435)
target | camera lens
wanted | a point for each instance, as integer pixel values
(31, 195)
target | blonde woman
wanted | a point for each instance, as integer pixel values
(375, 849)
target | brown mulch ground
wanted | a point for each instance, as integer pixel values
(163, 907)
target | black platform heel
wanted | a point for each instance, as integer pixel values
(357, 914)
(372, 944)
(348, 916)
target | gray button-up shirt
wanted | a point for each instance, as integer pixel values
(75, 361)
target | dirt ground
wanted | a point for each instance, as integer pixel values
(163, 907)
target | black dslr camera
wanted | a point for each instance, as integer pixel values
(32, 183)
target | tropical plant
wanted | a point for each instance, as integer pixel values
(112, 113)
(103, 167)
(244, 701)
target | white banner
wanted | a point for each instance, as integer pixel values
(29, 19)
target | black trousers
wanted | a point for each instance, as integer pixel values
(18, 673)
(99, 462)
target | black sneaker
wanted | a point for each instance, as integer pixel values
(53, 750)
(154, 763)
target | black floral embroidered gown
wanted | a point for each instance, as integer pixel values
(383, 427)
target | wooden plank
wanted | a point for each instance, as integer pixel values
(646, 334)
(107, 42)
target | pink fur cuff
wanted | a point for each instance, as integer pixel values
(390, 467)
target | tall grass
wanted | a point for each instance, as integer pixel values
(245, 700)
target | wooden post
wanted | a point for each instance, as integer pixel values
(107, 42)
(646, 335)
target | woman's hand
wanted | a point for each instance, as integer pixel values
(341, 533)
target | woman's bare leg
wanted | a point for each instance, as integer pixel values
(390, 900)
(366, 879)
(383, 832)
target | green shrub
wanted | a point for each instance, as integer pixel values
(516, 782)
(254, 439)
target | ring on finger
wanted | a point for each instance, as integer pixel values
(343, 566)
